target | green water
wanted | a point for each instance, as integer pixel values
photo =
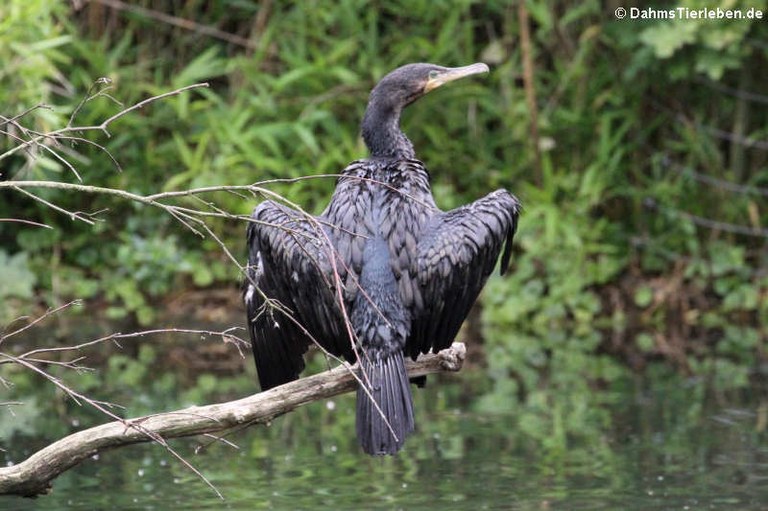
(670, 444)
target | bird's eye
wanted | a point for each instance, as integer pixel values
(433, 74)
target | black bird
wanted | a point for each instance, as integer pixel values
(381, 274)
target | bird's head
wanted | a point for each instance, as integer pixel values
(398, 89)
(408, 83)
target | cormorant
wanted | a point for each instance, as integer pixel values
(381, 274)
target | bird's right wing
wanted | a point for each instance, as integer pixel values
(457, 252)
(289, 294)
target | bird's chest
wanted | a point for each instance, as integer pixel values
(392, 202)
(389, 203)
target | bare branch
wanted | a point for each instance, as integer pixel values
(720, 183)
(179, 22)
(100, 127)
(708, 223)
(34, 476)
(738, 93)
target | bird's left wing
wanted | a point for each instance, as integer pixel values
(289, 294)
(456, 253)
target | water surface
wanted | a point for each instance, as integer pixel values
(668, 444)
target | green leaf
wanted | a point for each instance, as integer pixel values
(15, 276)
(643, 296)
(666, 38)
(645, 342)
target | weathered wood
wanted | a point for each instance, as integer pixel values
(34, 475)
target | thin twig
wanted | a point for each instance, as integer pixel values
(226, 335)
(14, 119)
(47, 314)
(721, 183)
(28, 222)
(71, 214)
(88, 96)
(715, 225)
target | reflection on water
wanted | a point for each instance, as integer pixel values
(659, 445)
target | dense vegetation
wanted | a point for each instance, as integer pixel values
(643, 234)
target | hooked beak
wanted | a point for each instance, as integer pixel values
(454, 73)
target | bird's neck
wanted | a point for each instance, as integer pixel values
(382, 134)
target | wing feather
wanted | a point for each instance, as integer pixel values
(456, 254)
(289, 260)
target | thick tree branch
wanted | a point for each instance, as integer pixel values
(34, 475)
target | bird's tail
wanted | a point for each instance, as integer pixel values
(382, 429)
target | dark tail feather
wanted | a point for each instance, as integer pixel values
(389, 386)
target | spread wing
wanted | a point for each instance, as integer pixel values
(456, 253)
(289, 293)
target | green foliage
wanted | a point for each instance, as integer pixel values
(16, 284)
(18, 281)
(716, 45)
(33, 47)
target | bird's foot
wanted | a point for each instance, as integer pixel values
(451, 359)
